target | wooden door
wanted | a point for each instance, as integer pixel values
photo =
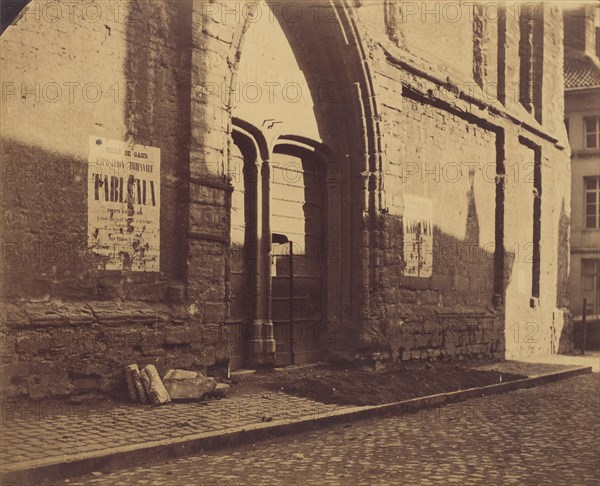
(297, 212)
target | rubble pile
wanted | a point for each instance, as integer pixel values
(146, 386)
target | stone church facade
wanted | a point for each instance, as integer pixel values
(414, 153)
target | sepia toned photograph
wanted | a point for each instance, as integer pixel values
(299, 242)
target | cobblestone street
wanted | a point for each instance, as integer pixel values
(545, 435)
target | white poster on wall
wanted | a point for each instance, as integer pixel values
(124, 204)
(417, 223)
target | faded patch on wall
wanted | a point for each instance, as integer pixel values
(418, 236)
(124, 204)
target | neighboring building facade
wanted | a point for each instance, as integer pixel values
(415, 154)
(582, 116)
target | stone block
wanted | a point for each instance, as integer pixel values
(188, 385)
(221, 389)
(205, 354)
(154, 387)
(134, 384)
(33, 344)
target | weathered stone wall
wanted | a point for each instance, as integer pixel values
(74, 77)
(60, 348)
(119, 70)
(540, 326)
(441, 120)
(458, 138)
(436, 149)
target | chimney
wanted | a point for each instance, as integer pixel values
(580, 31)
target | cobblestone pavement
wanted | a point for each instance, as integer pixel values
(36, 432)
(44, 432)
(543, 435)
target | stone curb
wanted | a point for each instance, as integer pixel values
(46, 470)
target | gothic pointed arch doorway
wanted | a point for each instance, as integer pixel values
(276, 290)
(303, 143)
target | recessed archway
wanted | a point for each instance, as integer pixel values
(299, 99)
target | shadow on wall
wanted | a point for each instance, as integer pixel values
(45, 194)
(45, 225)
(472, 231)
(45, 253)
(157, 107)
(451, 314)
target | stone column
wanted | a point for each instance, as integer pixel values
(262, 342)
(268, 335)
(254, 334)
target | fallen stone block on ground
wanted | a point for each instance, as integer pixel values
(135, 386)
(221, 390)
(128, 371)
(188, 385)
(154, 386)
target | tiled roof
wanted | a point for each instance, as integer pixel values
(581, 73)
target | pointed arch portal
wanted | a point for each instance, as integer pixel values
(302, 163)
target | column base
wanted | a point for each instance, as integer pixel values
(262, 345)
